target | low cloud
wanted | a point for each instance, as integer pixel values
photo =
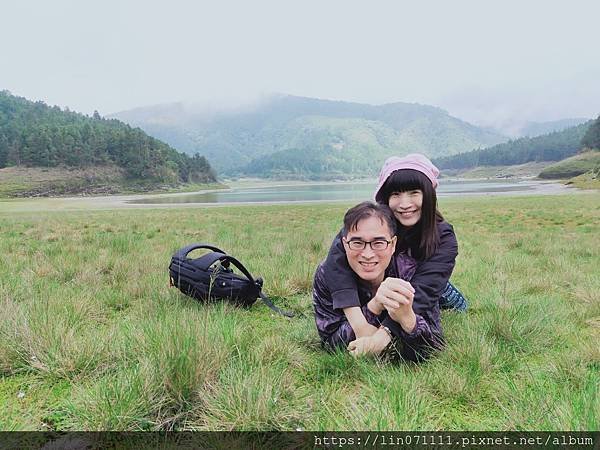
(508, 109)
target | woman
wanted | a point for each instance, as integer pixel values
(426, 251)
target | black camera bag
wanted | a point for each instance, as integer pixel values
(210, 277)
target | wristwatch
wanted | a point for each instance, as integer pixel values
(387, 330)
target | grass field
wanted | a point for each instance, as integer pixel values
(527, 170)
(586, 162)
(93, 338)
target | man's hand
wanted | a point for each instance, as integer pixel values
(371, 344)
(396, 296)
(393, 292)
(405, 316)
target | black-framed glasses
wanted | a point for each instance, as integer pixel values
(376, 245)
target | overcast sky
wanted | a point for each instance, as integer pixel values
(489, 62)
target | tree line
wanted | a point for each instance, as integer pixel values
(549, 147)
(591, 139)
(33, 134)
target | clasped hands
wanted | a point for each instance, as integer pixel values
(396, 297)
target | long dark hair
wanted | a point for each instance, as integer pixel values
(427, 237)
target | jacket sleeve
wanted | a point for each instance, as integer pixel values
(432, 275)
(418, 345)
(428, 281)
(339, 277)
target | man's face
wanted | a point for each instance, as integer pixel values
(370, 264)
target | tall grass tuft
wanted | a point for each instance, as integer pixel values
(184, 350)
(60, 338)
(118, 401)
(247, 397)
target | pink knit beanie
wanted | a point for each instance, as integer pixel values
(415, 161)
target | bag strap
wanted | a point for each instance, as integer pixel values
(182, 253)
(209, 259)
(267, 301)
(205, 261)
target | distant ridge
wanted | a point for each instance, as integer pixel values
(549, 147)
(298, 137)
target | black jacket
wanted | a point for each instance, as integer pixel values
(428, 278)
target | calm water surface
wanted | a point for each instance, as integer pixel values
(347, 191)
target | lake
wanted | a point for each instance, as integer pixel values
(346, 191)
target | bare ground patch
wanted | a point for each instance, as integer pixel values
(44, 182)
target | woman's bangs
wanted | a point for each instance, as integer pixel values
(404, 180)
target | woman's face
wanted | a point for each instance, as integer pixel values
(407, 206)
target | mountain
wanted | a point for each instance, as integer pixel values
(284, 135)
(33, 134)
(549, 147)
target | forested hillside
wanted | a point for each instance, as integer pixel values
(33, 134)
(550, 147)
(591, 139)
(277, 136)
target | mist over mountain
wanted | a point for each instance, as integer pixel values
(288, 136)
(516, 127)
(533, 129)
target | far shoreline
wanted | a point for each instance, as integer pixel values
(121, 202)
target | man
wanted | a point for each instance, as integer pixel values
(369, 238)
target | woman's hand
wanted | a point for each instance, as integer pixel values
(358, 322)
(365, 330)
(371, 344)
